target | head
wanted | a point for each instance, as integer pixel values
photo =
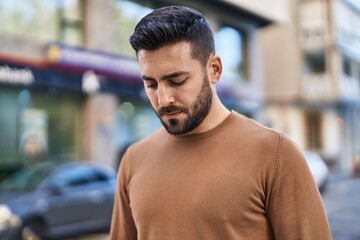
(173, 24)
(175, 51)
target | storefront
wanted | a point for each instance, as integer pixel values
(50, 108)
(39, 114)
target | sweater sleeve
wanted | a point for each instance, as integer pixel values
(122, 224)
(294, 205)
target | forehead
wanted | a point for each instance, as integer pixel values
(172, 57)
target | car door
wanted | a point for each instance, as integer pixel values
(102, 190)
(74, 199)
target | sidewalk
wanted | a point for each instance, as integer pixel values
(91, 237)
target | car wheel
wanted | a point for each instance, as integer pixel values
(32, 231)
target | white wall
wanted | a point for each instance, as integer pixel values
(276, 10)
(332, 132)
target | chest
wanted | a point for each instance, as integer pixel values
(206, 189)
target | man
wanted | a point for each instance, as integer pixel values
(210, 173)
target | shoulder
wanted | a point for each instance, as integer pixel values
(260, 133)
(273, 147)
(253, 131)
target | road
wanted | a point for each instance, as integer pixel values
(91, 237)
(342, 202)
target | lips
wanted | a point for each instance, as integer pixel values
(171, 114)
(171, 111)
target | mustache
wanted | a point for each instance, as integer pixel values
(171, 109)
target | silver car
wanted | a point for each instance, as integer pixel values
(57, 200)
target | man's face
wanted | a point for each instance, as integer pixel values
(177, 86)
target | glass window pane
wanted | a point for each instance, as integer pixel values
(72, 10)
(74, 176)
(346, 66)
(43, 20)
(315, 62)
(127, 15)
(72, 36)
(61, 128)
(230, 46)
(8, 125)
(71, 19)
(36, 19)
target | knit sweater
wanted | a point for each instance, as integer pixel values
(239, 180)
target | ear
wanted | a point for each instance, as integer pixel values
(216, 68)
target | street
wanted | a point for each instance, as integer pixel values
(91, 237)
(342, 202)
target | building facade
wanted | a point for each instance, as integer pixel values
(313, 87)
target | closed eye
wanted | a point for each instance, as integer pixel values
(152, 85)
(178, 83)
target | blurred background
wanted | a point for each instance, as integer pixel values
(70, 88)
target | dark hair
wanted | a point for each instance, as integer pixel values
(173, 24)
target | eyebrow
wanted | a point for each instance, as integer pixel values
(167, 76)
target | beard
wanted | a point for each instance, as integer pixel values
(196, 113)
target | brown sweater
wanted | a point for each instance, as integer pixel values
(239, 180)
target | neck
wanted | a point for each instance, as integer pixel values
(217, 113)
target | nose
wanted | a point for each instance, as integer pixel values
(165, 97)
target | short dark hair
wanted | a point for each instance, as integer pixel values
(172, 24)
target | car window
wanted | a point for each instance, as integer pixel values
(78, 175)
(27, 178)
(103, 175)
(73, 176)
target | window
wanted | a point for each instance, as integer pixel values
(127, 15)
(61, 112)
(315, 62)
(71, 22)
(346, 63)
(42, 20)
(8, 126)
(314, 126)
(29, 19)
(353, 4)
(73, 176)
(230, 45)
